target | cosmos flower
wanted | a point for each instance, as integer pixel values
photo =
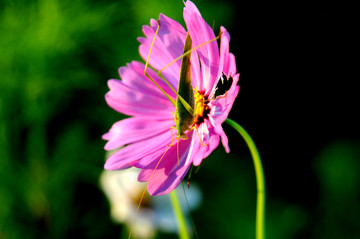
(124, 194)
(144, 140)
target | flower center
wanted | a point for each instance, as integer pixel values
(201, 108)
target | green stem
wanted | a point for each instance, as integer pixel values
(183, 232)
(260, 181)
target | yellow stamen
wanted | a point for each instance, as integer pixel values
(201, 107)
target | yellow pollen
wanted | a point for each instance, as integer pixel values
(200, 107)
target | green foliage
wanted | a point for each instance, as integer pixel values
(338, 168)
(52, 82)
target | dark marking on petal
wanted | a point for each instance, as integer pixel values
(223, 85)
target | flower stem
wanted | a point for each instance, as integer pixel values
(183, 232)
(260, 181)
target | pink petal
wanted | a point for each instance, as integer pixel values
(203, 133)
(232, 67)
(166, 47)
(165, 175)
(221, 106)
(224, 52)
(170, 158)
(224, 139)
(133, 75)
(172, 35)
(135, 103)
(147, 161)
(220, 109)
(136, 151)
(134, 129)
(201, 32)
(160, 185)
(136, 95)
(224, 63)
(200, 150)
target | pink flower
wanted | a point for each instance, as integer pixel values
(145, 136)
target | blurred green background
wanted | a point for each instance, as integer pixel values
(55, 60)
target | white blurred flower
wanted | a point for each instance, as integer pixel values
(124, 193)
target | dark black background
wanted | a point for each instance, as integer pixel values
(298, 87)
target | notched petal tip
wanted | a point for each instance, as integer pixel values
(224, 32)
(153, 23)
(141, 40)
(162, 17)
(112, 83)
(107, 166)
(191, 7)
(106, 136)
